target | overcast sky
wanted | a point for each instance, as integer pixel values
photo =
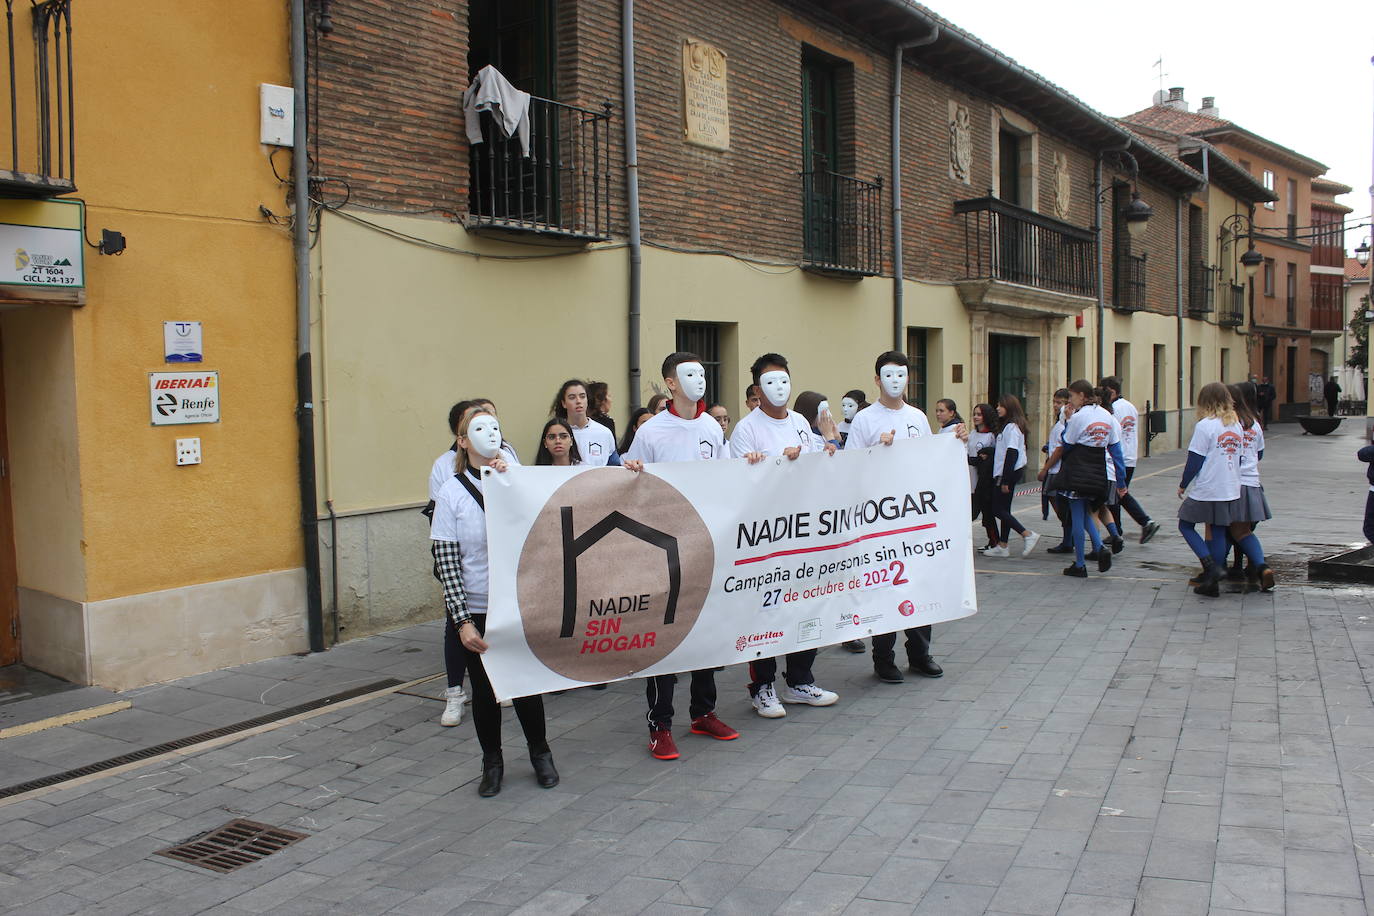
(1307, 84)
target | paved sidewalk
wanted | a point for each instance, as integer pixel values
(1114, 745)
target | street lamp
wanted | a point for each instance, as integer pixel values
(1137, 215)
(1362, 253)
(1231, 225)
(1251, 260)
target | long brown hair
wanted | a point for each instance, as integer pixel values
(1214, 400)
(1244, 413)
(1015, 414)
(460, 461)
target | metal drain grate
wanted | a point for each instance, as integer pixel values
(190, 740)
(236, 844)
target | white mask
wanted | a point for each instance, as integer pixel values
(484, 434)
(777, 387)
(850, 408)
(823, 410)
(893, 379)
(691, 379)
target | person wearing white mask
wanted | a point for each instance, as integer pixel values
(682, 432)
(458, 541)
(882, 423)
(850, 405)
(772, 430)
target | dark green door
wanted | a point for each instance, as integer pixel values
(1007, 367)
(819, 154)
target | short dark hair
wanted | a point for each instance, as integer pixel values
(674, 360)
(891, 358)
(1113, 383)
(763, 362)
(949, 405)
(858, 397)
(1085, 388)
(748, 393)
(455, 414)
(1062, 394)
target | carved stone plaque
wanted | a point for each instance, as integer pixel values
(705, 95)
(960, 143)
(1063, 186)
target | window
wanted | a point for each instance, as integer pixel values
(916, 379)
(1128, 275)
(1226, 364)
(841, 214)
(1121, 365)
(1268, 179)
(1076, 360)
(1292, 200)
(1269, 276)
(1159, 377)
(1291, 292)
(1195, 372)
(703, 339)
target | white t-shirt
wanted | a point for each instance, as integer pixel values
(457, 517)
(1129, 418)
(1055, 440)
(758, 432)
(1093, 425)
(906, 422)
(595, 443)
(977, 441)
(1252, 444)
(668, 437)
(444, 467)
(1010, 437)
(1220, 447)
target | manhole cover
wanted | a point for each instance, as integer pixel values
(236, 844)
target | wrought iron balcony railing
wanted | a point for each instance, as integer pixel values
(42, 121)
(1202, 289)
(842, 225)
(1129, 289)
(1232, 314)
(1005, 242)
(559, 186)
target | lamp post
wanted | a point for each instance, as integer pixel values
(1362, 254)
(1136, 214)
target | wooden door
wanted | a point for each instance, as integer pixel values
(9, 574)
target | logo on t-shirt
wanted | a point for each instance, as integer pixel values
(594, 449)
(707, 449)
(803, 438)
(1128, 424)
(1097, 434)
(912, 431)
(1229, 442)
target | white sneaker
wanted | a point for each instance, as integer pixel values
(996, 552)
(454, 698)
(810, 694)
(766, 703)
(1031, 540)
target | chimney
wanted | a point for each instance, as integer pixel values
(1209, 107)
(1175, 99)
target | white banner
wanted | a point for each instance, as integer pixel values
(601, 574)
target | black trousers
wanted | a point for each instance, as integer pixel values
(765, 670)
(486, 712)
(1132, 507)
(659, 692)
(917, 646)
(455, 656)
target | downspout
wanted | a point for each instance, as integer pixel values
(898, 265)
(1178, 257)
(305, 411)
(627, 64)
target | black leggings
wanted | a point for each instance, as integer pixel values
(486, 712)
(1001, 506)
(455, 659)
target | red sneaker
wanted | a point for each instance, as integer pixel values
(661, 745)
(712, 727)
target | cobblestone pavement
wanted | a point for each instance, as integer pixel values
(1114, 745)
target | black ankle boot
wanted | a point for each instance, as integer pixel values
(544, 771)
(1207, 583)
(493, 768)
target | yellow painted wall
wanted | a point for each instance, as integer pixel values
(408, 330)
(168, 154)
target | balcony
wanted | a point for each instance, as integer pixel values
(1020, 261)
(1202, 289)
(42, 120)
(1129, 294)
(560, 187)
(843, 226)
(1232, 314)
(1326, 319)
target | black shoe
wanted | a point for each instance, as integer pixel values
(886, 671)
(1235, 573)
(853, 645)
(544, 770)
(1116, 544)
(1078, 572)
(1265, 575)
(1092, 554)
(1104, 560)
(926, 667)
(1207, 585)
(493, 768)
(1150, 529)
(1061, 548)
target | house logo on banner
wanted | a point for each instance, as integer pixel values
(653, 545)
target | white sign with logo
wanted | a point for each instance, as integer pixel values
(40, 257)
(176, 398)
(182, 342)
(599, 574)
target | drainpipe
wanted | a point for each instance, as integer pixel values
(898, 265)
(1178, 267)
(627, 64)
(1097, 246)
(305, 411)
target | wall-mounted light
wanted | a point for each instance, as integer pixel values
(111, 242)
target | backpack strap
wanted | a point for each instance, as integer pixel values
(475, 493)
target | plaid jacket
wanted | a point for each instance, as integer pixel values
(448, 568)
